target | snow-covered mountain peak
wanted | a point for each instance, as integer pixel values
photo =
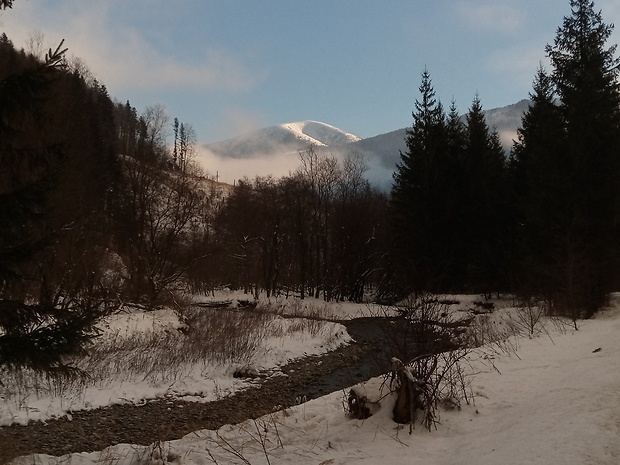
(318, 133)
(282, 138)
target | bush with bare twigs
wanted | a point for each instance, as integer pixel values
(431, 356)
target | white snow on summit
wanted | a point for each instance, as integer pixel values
(280, 139)
(320, 134)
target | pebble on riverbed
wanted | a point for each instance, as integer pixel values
(246, 372)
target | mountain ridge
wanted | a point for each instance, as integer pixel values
(282, 138)
(381, 152)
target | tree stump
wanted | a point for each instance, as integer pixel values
(360, 407)
(409, 396)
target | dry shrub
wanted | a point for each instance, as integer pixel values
(436, 350)
(210, 337)
(424, 326)
(429, 382)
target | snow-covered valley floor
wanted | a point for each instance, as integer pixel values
(556, 400)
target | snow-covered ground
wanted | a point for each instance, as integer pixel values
(292, 306)
(24, 398)
(556, 400)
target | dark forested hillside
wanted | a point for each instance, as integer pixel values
(94, 207)
(54, 217)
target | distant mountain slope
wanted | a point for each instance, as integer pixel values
(384, 148)
(282, 138)
(506, 120)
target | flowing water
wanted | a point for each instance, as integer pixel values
(373, 362)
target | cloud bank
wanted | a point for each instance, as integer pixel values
(229, 170)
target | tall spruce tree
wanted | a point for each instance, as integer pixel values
(539, 179)
(419, 197)
(586, 79)
(578, 197)
(456, 134)
(485, 203)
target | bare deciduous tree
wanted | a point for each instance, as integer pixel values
(35, 44)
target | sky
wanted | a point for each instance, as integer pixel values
(230, 66)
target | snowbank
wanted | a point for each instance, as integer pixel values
(557, 401)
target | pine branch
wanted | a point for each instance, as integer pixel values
(55, 59)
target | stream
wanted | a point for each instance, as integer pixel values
(167, 419)
(369, 333)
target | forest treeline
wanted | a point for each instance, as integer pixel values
(101, 205)
(542, 222)
(318, 232)
(94, 205)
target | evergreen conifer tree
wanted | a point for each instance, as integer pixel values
(570, 157)
(485, 203)
(586, 79)
(456, 135)
(34, 333)
(540, 179)
(419, 196)
(456, 138)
